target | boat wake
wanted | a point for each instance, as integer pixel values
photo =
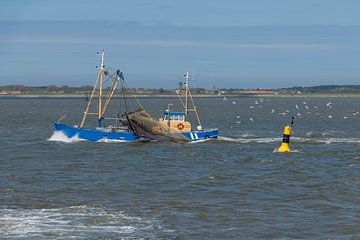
(200, 141)
(59, 136)
(248, 140)
(106, 140)
(330, 140)
(81, 221)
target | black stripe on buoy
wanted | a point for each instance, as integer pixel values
(286, 138)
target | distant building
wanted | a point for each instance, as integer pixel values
(143, 91)
(10, 92)
(256, 91)
(140, 91)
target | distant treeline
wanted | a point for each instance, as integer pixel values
(46, 89)
(322, 89)
(52, 89)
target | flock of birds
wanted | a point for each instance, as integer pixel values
(299, 107)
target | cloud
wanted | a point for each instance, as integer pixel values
(134, 34)
(169, 43)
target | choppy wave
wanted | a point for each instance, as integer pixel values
(72, 222)
(248, 140)
(248, 135)
(311, 138)
(327, 133)
(59, 136)
(293, 139)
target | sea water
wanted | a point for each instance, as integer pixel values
(234, 187)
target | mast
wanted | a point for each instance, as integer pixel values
(99, 81)
(101, 74)
(187, 96)
(186, 92)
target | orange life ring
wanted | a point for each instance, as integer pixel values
(180, 126)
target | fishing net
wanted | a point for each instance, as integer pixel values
(143, 125)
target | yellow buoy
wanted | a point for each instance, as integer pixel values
(284, 147)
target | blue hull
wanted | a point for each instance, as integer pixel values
(95, 135)
(201, 135)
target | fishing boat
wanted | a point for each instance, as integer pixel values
(177, 121)
(132, 125)
(119, 130)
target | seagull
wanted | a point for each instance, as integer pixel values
(306, 107)
(297, 107)
(233, 102)
(330, 116)
(329, 104)
(272, 110)
(252, 120)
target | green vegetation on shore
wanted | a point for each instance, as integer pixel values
(86, 90)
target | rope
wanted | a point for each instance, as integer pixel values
(132, 92)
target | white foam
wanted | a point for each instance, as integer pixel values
(105, 140)
(293, 139)
(338, 140)
(59, 136)
(248, 140)
(247, 135)
(292, 151)
(328, 140)
(200, 141)
(69, 223)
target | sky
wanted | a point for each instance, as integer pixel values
(228, 43)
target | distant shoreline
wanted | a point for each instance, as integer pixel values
(195, 96)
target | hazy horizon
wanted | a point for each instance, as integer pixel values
(240, 44)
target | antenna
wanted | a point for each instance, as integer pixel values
(193, 79)
(186, 92)
(102, 53)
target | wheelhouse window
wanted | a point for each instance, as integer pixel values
(174, 118)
